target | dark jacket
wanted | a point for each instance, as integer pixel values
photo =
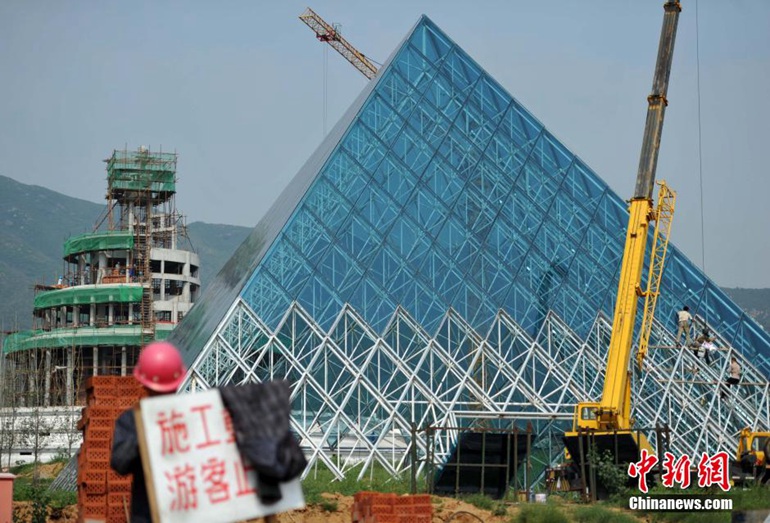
(125, 459)
(261, 413)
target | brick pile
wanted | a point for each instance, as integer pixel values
(375, 507)
(103, 495)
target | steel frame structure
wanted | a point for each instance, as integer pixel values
(357, 393)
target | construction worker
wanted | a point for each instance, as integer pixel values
(734, 378)
(704, 344)
(160, 370)
(684, 320)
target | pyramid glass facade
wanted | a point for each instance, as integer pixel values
(441, 241)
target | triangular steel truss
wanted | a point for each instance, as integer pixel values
(358, 394)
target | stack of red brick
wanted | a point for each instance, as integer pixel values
(103, 495)
(375, 507)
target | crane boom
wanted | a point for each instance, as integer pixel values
(614, 409)
(609, 421)
(325, 32)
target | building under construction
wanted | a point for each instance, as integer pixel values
(124, 284)
(442, 260)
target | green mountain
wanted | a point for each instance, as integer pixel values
(34, 224)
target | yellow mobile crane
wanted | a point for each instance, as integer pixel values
(607, 424)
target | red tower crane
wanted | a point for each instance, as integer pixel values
(329, 34)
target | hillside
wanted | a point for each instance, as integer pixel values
(31, 243)
(36, 222)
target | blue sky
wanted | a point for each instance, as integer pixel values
(237, 89)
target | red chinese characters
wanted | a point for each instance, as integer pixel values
(181, 484)
(714, 470)
(676, 471)
(197, 470)
(217, 487)
(203, 410)
(173, 432)
(641, 468)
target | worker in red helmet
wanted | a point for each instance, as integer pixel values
(160, 370)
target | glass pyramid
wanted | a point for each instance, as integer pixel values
(441, 205)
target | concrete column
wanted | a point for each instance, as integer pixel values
(69, 385)
(111, 314)
(32, 382)
(96, 361)
(123, 361)
(92, 315)
(76, 316)
(47, 380)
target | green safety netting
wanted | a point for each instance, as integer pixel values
(142, 170)
(120, 336)
(87, 294)
(98, 241)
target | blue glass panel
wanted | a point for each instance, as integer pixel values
(681, 279)
(288, 267)
(429, 124)
(426, 210)
(520, 303)
(430, 42)
(505, 244)
(409, 240)
(457, 243)
(326, 201)
(569, 215)
(492, 275)
(440, 177)
(396, 179)
(308, 235)
(521, 212)
(445, 95)
(397, 92)
(376, 207)
(582, 186)
(721, 313)
(460, 70)
(345, 175)
(358, 239)
(363, 147)
(414, 67)
(382, 119)
(411, 150)
(461, 155)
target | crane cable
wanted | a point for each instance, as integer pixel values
(326, 86)
(700, 157)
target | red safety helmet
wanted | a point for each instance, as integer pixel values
(160, 367)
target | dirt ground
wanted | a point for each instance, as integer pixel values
(443, 508)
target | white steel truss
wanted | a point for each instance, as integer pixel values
(358, 395)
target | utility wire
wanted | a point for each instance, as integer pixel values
(700, 155)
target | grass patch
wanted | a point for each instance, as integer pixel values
(479, 501)
(600, 514)
(320, 480)
(540, 513)
(328, 505)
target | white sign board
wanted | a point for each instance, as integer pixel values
(196, 470)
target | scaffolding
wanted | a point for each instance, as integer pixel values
(124, 284)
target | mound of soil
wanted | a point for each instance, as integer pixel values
(442, 507)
